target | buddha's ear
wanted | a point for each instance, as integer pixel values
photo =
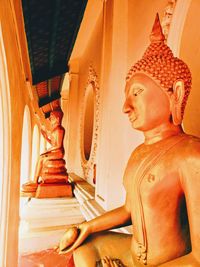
(176, 101)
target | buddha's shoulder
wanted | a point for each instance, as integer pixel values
(184, 145)
(189, 141)
(189, 146)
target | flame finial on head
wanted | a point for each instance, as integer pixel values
(157, 33)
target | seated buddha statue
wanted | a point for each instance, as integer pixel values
(50, 167)
(162, 177)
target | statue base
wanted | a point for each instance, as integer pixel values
(54, 190)
(27, 194)
(28, 189)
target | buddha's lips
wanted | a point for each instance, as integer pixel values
(132, 118)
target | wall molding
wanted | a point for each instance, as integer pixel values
(88, 165)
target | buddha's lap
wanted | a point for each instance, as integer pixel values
(112, 244)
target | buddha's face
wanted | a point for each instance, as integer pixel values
(146, 104)
(54, 120)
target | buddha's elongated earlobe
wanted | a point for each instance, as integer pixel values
(176, 102)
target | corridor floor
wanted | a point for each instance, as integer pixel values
(46, 258)
(43, 222)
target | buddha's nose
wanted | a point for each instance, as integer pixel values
(126, 107)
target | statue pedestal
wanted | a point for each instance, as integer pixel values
(53, 182)
(27, 194)
(54, 190)
(28, 189)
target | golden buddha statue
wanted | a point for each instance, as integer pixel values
(56, 152)
(50, 178)
(162, 177)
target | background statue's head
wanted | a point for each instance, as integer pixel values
(58, 114)
(169, 72)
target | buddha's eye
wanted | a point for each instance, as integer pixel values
(137, 91)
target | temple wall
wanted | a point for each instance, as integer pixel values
(141, 16)
(119, 39)
(79, 72)
(110, 158)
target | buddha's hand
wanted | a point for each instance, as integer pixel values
(74, 237)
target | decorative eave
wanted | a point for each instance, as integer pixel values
(51, 28)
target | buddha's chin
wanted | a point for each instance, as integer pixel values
(135, 124)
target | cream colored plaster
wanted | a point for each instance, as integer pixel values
(79, 69)
(88, 26)
(141, 16)
(110, 164)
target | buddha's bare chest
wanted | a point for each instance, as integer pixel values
(54, 137)
(154, 181)
(157, 201)
(158, 208)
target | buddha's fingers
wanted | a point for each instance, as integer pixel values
(107, 262)
(84, 233)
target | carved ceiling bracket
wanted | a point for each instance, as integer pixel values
(88, 165)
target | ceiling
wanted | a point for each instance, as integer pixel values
(51, 28)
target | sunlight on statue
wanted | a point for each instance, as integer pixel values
(161, 178)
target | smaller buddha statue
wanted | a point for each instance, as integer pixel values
(162, 177)
(50, 168)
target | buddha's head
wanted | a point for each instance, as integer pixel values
(165, 74)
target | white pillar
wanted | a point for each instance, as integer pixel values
(111, 159)
(65, 109)
(73, 118)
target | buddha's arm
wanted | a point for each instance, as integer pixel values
(58, 143)
(45, 134)
(113, 219)
(191, 187)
